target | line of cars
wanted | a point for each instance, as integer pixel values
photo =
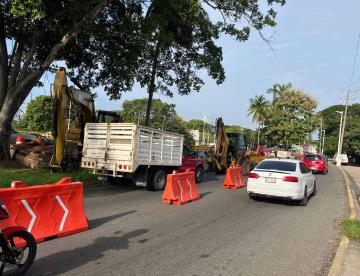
(289, 179)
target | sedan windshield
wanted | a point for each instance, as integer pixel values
(277, 165)
(312, 157)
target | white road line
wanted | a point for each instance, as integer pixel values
(31, 212)
(66, 212)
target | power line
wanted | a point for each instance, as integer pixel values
(348, 95)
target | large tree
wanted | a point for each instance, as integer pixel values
(278, 89)
(38, 115)
(259, 110)
(179, 41)
(292, 118)
(331, 120)
(158, 43)
(36, 33)
(163, 116)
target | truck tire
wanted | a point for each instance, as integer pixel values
(113, 180)
(199, 174)
(158, 180)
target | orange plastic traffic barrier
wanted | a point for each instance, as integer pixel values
(47, 211)
(234, 178)
(180, 188)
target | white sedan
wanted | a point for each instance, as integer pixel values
(282, 178)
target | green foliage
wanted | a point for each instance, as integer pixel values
(163, 116)
(259, 109)
(291, 118)
(42, 176)
(351, 229)
(164, 44)
(234, 129)
(23, 8)
(278, 89)
(159, 44)
(38, 115)
(331, 125)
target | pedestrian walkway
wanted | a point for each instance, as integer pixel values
(351, 266)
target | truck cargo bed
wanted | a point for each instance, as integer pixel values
(123, 147)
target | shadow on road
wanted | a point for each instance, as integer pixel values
(94, 223)
(106, 189)
(65, 261)
(280, 201)
(204, 194)
(211, 176)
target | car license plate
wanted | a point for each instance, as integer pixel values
(270, 179)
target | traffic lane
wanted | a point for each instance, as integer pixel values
(222, 233)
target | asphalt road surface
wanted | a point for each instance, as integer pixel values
(224, 233)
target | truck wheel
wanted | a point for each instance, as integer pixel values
(113, 180)
(199, 174)
(158, 180)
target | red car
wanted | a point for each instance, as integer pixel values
(192, 162)
(316, 163)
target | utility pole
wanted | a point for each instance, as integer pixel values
(320, 134)
(344, 121)
(348, 96)
(338, 156)
(203, 133)
(323, 142)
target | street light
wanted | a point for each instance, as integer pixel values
(323, 142)
(339, 149)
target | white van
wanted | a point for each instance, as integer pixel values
(344, 159)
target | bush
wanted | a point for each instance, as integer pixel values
(38, 115)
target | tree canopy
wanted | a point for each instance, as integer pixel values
(259, 109)
(38, 115)
(291, 118)
(158, 43)
(163, 116)
(331, 120)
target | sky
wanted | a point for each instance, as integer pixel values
(314, 47)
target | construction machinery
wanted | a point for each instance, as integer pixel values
(230, 150)
(73, 108)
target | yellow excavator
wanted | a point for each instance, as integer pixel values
(73, 108)
(230, 150)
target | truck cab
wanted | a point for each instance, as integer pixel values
(191, 161)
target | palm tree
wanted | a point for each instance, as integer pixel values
(258, 108)
(278, 89)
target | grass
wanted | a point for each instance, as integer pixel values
(351, 229)
(41, 176)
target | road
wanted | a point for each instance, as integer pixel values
(223, 233)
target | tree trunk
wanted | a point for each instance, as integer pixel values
(258, 138)
(152, 83)
(7, 113)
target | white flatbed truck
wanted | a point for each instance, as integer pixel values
(126, 150)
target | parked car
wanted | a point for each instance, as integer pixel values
(287, 179)
(316, 162)
(344, 159)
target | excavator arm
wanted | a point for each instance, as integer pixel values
(62, 97)
(221, 145)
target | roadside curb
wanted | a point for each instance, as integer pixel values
(337, 263)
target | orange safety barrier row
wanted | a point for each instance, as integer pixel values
(234, 178)
(180, 188)
(47, 211)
